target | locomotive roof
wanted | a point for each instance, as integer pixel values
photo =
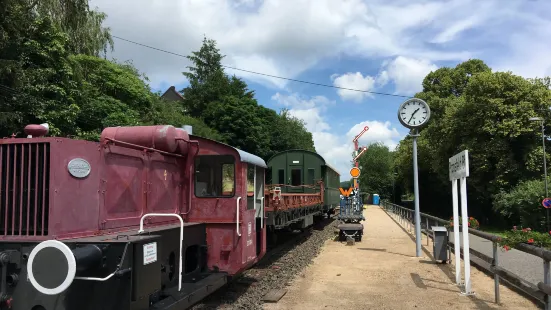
(306, 151)
(244, 156)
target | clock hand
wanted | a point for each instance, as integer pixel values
(413, 115)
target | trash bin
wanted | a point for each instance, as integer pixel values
(440, 243)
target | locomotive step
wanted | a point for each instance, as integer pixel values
(191, 293)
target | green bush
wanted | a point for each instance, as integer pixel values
(523, 204)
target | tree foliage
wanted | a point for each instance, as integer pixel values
(486, 113)
(377, 173)
(226, 104)
(50, 72)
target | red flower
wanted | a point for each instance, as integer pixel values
(524, 230)
(469, 223)
(530, 241)
(507, 248)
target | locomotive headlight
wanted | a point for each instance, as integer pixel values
(51, 267)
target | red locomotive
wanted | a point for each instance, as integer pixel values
(150, 217)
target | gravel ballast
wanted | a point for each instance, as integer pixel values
(275, 271)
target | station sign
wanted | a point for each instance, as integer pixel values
(459, 165)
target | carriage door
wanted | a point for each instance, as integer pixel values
(259, 209)
(249, 216)
(295, 164)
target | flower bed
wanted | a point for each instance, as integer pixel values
(516, 236)
(473, 223)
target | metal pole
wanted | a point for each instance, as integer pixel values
(545, 171)
(546, 280)
(416, 194)
(496, 275)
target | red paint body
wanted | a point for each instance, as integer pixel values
(134, 171)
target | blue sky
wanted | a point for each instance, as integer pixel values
(380, 45)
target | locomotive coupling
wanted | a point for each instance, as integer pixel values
(52, 265)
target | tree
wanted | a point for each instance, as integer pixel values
(377, 173)
(83, 27)
(487, 113)
(46, 76)
(226, 104)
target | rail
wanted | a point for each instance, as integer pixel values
(540, 293)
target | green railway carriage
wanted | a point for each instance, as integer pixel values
(301, 167)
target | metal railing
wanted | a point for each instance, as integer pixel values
(539, 293)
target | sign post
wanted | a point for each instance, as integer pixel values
(459, 170)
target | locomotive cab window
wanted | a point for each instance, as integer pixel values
(214, 176)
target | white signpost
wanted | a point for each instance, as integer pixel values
(459, 170)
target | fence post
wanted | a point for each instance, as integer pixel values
(546, 280)
(427, 229)
(495, 263)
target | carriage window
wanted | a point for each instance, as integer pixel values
(311, 176)
(214, 176)
(250, 187)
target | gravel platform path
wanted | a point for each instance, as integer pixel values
(273, 272)
(382, 272)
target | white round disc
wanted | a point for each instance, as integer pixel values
(71, 263)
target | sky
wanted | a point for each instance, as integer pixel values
(385, 46)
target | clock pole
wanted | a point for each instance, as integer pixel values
(406, 113)
(414, 134)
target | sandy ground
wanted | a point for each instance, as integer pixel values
(382, 272)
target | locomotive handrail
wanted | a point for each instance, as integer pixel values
(123, 256)
(181, 238)
(237, 221)
(262, 212)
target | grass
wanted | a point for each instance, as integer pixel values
(494, 231)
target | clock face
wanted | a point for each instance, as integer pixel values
(414, 113)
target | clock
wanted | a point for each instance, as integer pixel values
(414, 113)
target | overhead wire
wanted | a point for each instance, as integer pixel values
(265, 74)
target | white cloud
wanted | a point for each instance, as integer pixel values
(407, 74)
(336, 149)
(353, 81)
(282, 38)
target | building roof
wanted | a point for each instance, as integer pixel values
(172, 94)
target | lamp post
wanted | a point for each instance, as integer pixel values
(541, 120)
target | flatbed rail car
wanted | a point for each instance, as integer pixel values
(293, 210)
(303, 172)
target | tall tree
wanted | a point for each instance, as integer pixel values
(83, 26)
(226, 104)
(377, 170)
(487, 113)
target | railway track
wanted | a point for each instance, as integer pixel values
(275, 270)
